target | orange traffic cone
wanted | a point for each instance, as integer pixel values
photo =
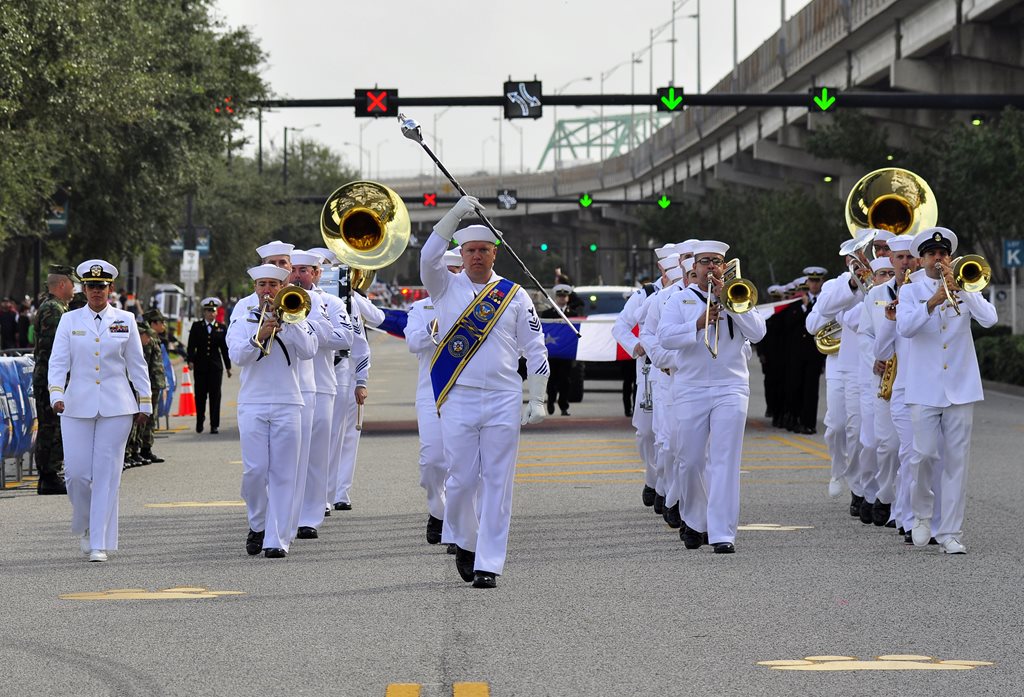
(187, 398)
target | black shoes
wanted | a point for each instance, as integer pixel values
(342, 506)
(307, 533)
(254, 542)
(275, 553)
(672, 516)
(692, 539)
(433, 529)
(452, 549)
(464, 562)
(214, 430)
(866, 512)
(880, 513)
(805, 430)
(485, 579)
(648, 496)
(551, 408)
(659, 503)
(565, 412)
(148, 455)
(855, 502)
(51, 486)
(199, 427)
(724, 547)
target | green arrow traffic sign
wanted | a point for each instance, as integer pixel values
(585, 200)
(663, 201)
(824, 102)
(670, 100)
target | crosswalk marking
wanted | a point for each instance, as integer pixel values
(402, 689)
(470, 689)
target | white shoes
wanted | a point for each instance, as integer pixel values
(953, 546)
(97, 555)
(83, 542)
(836, 487)
(922, 532)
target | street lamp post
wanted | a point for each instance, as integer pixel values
(483, 152)
(284, 168)
(604, 76)
(438, 143)
(560, 90)
(383, 142)
(362, 172)
(519, 129)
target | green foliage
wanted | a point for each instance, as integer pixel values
(1001, 358)
(856, 139)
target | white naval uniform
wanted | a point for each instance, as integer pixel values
(481, 416)
(885, 442)
(99, 407)
(353, 372)
(663, 363)
(714, 395)
(330, 322)
(643, 420)
(433, 470)
(269, 420)
(943, 383)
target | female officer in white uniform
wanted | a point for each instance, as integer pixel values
(99, 346)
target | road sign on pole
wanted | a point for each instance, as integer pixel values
(523, 99)
(1013, 253)
(190, 266)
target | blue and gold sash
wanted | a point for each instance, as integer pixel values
(466, 336)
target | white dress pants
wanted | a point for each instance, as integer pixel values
(665, 440)
(942, 445)
(711, 444)
(270, 435)
(339, 415)
(868, 440)
(307, 412)
(900, 412)
(887, 452)
(433, 468)
(855, 470)
(661, 399)
(835, 425)
(311, 513)
(93, 460)
(643, 422)
(347, 450)
(480, 429)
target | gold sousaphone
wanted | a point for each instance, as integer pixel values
(367, 226)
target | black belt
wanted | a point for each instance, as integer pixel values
(340, 354)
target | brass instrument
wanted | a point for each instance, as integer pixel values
(851, 249)
(367, 226)
(888, 378)
(291, 305)
(433, 332)
(827, 339)
(739, 295)
(647, 401)
(892, 199)
(971, 273)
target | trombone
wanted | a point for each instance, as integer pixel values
(738, 296)
(291, 305)
(971, 273)
(852, 249)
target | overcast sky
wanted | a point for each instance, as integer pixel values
(328, 48)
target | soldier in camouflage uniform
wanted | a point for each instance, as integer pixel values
(49, 448)
(139, 449)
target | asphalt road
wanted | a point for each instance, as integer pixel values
(599, 596)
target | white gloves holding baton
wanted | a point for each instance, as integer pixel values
(447, 225)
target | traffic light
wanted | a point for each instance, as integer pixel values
(430, 199)
(543, 246)
(225, 107)
(378, 101)
(593, 247)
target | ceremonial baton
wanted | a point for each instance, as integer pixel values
(411, 130)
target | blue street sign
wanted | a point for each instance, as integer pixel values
(1013, 253)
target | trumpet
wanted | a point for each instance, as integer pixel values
(739, 295)
(291, 305)
(971, 273)
(851, 249)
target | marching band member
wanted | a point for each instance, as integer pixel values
(207, 360)
(269, 409)
(318, 383)
(714, 394)
(96, 351)
(804, 362)
(561, 368)
(941, 400)
(486, 322)
(420, 337)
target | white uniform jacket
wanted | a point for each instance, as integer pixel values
(417, 338)
(941, 363)
(678, 330)
(661, 358)
(517, 332)
(97, 353)
(629, 318)
(334, 333)
(272, 379)
(835, 297)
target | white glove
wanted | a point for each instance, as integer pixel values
(533, 410)
(445, 227)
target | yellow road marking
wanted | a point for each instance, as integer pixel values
(623, 449)
(532, 444)
(563, 463)
(470, 689)
(580, 480)
(537, 475)
(196, 504)
(179, 593)
(800, 446)
(402, 689)
(235, 462)
(887, 662)
(807, 441)
(775, 527)
(787, 467)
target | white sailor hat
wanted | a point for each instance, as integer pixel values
(685, 247)
(814, 272)
(329, 257)
(925, 240)
(709, 246)
(799, 283)
(880, 263)
(668, 261)
(664, 250)
(561, 289)
(275, 248)
(900, 243)
(210, 303)
(674, 273)
(301, 257)
(882, 236)
(453, 257)
(96, 271)
(475, 233)
(776, 290)
(687, 264)
(268, 271)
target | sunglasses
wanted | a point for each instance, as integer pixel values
(95, 285)
(709, 261)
